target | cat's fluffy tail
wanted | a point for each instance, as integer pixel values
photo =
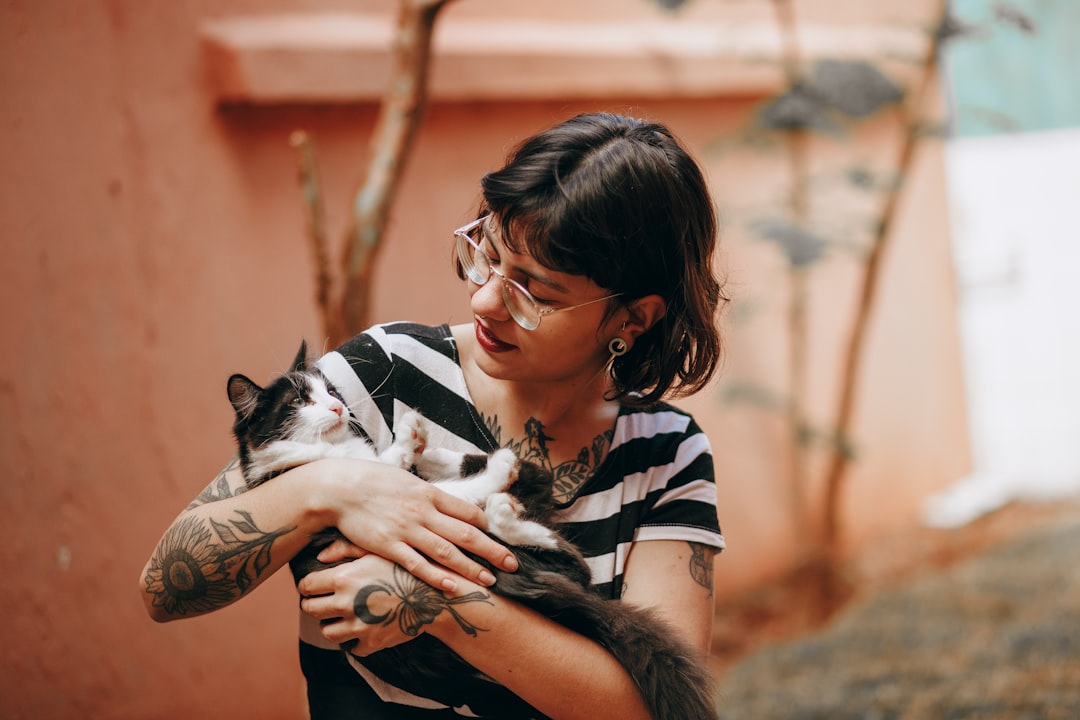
(672, 680)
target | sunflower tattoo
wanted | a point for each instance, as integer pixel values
(192, 573)
(419, 604)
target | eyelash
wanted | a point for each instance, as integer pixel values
(494, 262)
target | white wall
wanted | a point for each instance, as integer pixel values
(1014, 201)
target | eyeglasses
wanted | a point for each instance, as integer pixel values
(522, 306)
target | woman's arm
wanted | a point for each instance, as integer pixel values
(557, 671)
(675, 578)
(229, 540)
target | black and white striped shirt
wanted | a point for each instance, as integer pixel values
(656, 482)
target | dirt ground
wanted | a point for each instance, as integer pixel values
(979, 622)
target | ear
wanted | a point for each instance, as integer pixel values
(243, 394)
(299, 363)
(644, 312)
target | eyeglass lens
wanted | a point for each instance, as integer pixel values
(473, 259)
(521, 306)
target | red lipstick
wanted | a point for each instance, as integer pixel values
(489, 342)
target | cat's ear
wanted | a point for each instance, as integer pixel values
(243, 394)
(299, 363)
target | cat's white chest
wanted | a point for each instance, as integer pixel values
(281, 455)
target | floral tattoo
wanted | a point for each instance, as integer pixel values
(194, 573)
(418, 604)
(219, 489)
(569, 475)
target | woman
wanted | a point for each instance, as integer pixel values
(589, 270)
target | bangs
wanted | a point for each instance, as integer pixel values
(542, 231)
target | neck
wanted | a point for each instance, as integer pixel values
(557, 404)
(571, 401)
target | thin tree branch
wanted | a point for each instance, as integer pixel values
(392, 140)
(797, 146)
(910, 112)
(316, 225)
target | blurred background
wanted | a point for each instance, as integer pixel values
(896, 185)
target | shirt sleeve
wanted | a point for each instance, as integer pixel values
(683, 493)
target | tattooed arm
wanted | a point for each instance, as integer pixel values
(229, 540)
(223, 545)
(371, 605)
(564, 675)
(675, 579)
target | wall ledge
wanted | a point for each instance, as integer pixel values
(345, 58)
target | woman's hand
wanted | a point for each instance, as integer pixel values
(398, 516)
(370, 604)
(333, 596)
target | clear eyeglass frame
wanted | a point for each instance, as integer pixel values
(522, 306)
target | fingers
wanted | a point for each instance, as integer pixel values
(446, 560)
(339, 550)
(460, 526)
(456, 507)
(356, 604)
(427, 532)
(325, 607)
(320, 582)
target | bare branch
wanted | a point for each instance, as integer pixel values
(392, 140)
(797, 155)
(316, 226)
(910, 113)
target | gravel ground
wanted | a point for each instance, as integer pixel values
(994, 637)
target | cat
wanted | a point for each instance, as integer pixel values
(300, 417)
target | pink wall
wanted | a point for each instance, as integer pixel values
(153, 244)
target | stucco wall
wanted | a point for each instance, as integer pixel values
(153, 244)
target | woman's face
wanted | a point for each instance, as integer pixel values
(566, 346)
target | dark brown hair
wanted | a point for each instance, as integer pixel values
(619, 201)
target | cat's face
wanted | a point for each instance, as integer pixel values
(300, 406)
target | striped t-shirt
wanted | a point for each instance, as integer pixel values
(656, 483)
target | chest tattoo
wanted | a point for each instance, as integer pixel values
(533, 447)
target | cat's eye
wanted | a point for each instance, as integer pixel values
(298, 401)
(336, 395)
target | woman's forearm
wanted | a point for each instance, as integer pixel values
(226, 543)
(560, 673)
(229, 540)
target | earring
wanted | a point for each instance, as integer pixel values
(617, 346)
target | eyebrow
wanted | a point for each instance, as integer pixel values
(486, 232)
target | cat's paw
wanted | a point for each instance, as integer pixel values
(410, 439)
(503, 465)
(504, 512)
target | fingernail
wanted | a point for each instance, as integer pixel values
(448, 584)
(486, 578)
(510, 563)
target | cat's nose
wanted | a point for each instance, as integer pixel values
(338, 409)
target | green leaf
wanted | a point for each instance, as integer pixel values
(798, 108)
(749, 393)
(1009, 14)
(854, 88)
(801, 246)
(670, 4)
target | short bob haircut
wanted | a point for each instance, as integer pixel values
(619, 201)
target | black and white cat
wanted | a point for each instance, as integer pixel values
(300, 417)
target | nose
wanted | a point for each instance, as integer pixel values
(487, 300)
(338, 409)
